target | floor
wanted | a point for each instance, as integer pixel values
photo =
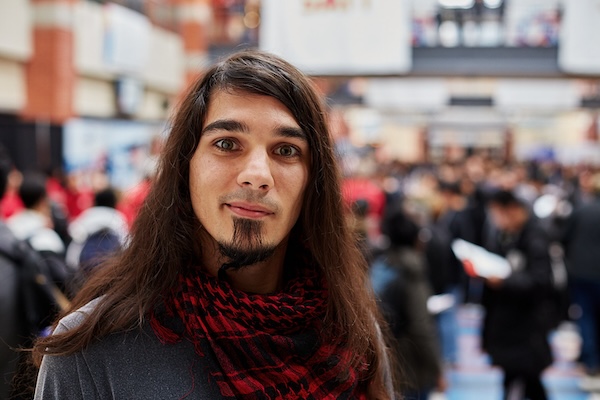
(474, 379)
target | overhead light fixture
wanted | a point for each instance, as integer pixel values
(456, 3)
(492, 3)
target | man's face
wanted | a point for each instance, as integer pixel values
(249, 172)
(507, 218)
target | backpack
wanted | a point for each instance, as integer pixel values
(40, 299)
(97, 247)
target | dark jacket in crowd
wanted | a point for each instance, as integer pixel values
(469, 223)
(11, 323)
(445, 271)
(404, 304)
(582, 242)
(520, 312)
(400, 281)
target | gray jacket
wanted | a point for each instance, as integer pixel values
(127, 365)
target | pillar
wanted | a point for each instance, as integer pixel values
(51, 72)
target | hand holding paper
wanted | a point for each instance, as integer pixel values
(479, 262)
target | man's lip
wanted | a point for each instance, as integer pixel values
(250, 207)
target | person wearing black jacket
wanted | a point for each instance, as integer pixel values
(399, 278)
(581, 238)
(27, 303)
(10, 328)
(517, 319)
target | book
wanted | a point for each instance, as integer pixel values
(479, 262)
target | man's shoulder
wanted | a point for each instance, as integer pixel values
(105, 366)
(139, 338)
(75, 318)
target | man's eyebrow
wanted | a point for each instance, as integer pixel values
(226, 125)
(291, 132)
(232, 125)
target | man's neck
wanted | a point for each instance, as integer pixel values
(262, 278)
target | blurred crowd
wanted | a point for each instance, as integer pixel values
(55, 230)
(541, 216)
(62, 214)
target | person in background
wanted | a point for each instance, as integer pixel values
(11, 203)
(581, 240)
(446, 271)
(58, 203)
(517, 313)
(34, 224)
(12, 326)
(241, 278)
(78, 194)
(357, 221)
(96, 233)
(132, 200)
(399, 279)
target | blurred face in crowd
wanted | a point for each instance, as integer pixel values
(248, 174)
(508, 218)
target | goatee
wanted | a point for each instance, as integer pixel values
(246, 247)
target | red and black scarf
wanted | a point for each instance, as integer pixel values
(266, 346)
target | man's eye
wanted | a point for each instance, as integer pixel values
(225, 144)
(287, 151)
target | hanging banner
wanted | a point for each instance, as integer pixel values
(15, 30)
(339, 37)
(119, 148)
(127, 39)
(532, 23)
(579, 52)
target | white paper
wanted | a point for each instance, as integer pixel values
(485, 264)
(440, 302)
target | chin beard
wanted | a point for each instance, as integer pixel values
(246, 247)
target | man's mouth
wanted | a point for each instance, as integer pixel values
(248, 210)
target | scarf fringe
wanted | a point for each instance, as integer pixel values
(164, 334)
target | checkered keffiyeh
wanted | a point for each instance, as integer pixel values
(266, 346)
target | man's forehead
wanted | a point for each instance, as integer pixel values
(233, 123)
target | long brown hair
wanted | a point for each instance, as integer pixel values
(165, 230)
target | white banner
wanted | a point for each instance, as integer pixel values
(579, 52)
(414, 94)
(127, 40)
(15, 29)
(119, 147)
(540, 94)
(339, 37)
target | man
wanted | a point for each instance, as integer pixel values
(518, 313)
(96, 233)
(581, 238)
(34, 225)
(240, 279)
(399, 278)
(34, 222)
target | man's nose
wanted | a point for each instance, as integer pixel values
(256, 171)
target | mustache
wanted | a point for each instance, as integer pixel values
(250, 196)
